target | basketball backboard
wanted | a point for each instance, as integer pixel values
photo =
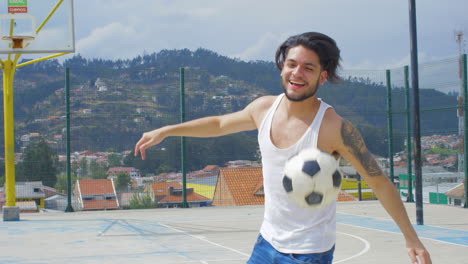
(36, 26)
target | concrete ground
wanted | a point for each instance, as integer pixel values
(217, 235)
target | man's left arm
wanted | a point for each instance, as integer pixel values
(351, 147)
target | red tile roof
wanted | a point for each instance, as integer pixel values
(100, 205)
(238, 185)
(100, 191)
(96, 186)
(345, 197)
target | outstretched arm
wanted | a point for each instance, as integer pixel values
(353, 149)
(212, 126)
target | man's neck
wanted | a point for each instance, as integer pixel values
(301, 109)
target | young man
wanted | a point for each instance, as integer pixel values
(287, 123)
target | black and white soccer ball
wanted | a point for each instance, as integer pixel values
(312, 178)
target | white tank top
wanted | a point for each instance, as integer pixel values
(288, 228)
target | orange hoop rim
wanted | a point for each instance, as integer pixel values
(17, 37)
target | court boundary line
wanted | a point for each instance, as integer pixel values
(364, 251)
(399, 233)
(205, 240)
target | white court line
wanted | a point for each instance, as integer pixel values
(366, 248)
(205, 240)
(399, 233)
(362, 252)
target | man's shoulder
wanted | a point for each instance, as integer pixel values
(259, 107)
(330, 129)
(264, 102)
(331, 117)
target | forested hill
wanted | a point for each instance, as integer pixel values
(114, 101)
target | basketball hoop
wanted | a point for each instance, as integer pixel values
(18, 42)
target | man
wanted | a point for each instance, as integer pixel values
(286, 124)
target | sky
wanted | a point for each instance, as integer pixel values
(371, 34)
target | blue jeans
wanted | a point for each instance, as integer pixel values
(264, 253)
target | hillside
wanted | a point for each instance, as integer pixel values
(113, 102)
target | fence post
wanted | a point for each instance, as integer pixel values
(465, 126)
(68, 167)
(390, 125)
(416, 120)
(359, 187)
(182, 139)
(410, 198)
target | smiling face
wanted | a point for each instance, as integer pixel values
(302, 74)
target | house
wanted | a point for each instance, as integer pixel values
(113, 172)
(96, 194)
(244, 186)
(239, 186)
(169, 194)
(141, 181)
(30, 191)
(456, 195)
(29, 195)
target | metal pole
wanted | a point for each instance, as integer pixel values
(359, 180)
(416, 121)
(9, 130)
(390, 125)
(465, 126)
(410, 197)
(11, 212)
(67, 109)
(182, 139)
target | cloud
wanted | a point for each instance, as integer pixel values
(371, 34)
(264, 48)
(114, 40)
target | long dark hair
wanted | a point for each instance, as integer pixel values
(323, 45)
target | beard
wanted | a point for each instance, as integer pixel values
(301, 97)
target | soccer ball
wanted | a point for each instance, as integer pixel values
(312, 178)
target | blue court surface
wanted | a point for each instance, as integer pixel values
(217, 235)
(456, 237)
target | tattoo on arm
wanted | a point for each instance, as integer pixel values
(355, 144)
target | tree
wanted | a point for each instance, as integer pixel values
(141, 201)
(123, 181)
(61, 184)
(97, 171)
(39, 164)
(83, 167)
(114, 160)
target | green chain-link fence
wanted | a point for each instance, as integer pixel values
(112, 108)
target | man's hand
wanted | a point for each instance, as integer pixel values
(418, 254)
(147, 140)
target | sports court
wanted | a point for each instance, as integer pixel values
(207, 235)
(217, 235)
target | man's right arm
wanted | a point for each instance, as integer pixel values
(212, 126)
